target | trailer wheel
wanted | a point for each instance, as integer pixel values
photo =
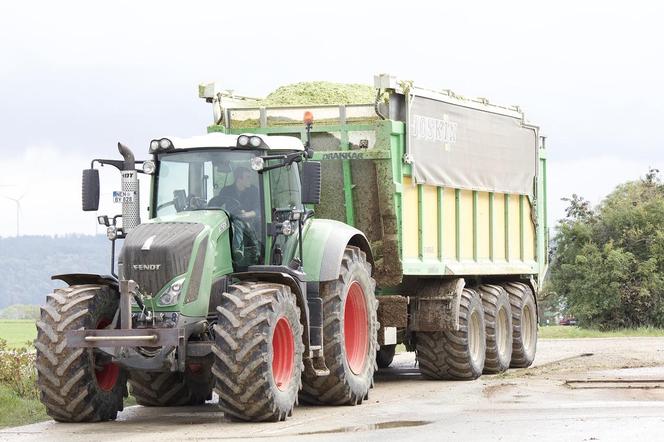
(193, 387)
(385, 355)
(78, 384)
(498, 321)
(524, 324)
(350, 325)
(460, 354)
(258, 352)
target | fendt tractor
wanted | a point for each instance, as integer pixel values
(282, 261)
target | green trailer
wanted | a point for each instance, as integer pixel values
(487, 236)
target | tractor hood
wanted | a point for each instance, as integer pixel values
(155, 253)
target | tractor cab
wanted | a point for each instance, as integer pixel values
(255, 181)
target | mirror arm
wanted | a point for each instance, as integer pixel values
(119, 164)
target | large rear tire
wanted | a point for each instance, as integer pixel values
(169, 389)
(350, 325)
(258, 352)
(524, 324)
(78, 384)
(456, 355)
(498, 321)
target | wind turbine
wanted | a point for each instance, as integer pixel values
(17, 201)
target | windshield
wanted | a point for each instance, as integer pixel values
(215, 180)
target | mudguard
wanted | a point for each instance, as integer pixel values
(323, 248)
(87, 278)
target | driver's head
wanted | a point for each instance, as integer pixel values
(242, 178)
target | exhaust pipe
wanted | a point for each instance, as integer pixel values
(131, 207)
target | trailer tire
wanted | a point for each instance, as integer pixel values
(455, 355)
(170, 389)
(350, 343)
(258, 352)
(78, 384)
(524, 324)
(385, 355)
(498, 322)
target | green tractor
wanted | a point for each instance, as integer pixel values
(231, 285)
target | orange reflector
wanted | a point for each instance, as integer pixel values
(308, 117)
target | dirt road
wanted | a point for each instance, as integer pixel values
(586, 389)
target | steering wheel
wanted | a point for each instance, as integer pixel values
(229, 203)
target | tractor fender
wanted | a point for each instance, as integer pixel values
(88, 278)
(324, 244)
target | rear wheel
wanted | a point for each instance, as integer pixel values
(258, 352)
(455, 354)
(78, 384)
(498, 322)
(193, 387)
(524, 324)
(349, 335)
(385, 355)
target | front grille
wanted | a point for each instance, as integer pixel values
(168, 255)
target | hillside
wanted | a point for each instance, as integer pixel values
(27, 263)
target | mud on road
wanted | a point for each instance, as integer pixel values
(583, 389)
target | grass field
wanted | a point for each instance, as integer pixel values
(18, 333)
(573, 332)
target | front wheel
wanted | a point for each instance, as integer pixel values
(78, 384)
(349, 335)
(258, 352)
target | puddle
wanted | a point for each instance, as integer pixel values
(369, 427)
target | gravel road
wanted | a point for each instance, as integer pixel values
(581, 389)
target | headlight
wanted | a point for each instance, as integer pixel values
(243, 141)
(111, 232)
(149, 167)
(257, 163)
(172, 295)
(287, 228)
(154, 145)
(165, 143)
(255, 141)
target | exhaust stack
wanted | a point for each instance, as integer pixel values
(131, 210)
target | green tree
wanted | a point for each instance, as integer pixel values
(608, 262)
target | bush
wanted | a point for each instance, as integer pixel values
(17, 371)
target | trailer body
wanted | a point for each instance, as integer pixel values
(377, 179)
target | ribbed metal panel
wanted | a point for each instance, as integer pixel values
(167, 256)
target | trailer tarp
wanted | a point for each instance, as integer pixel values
(470, 148)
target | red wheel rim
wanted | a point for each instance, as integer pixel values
(106, 373)
(356, 328)
(283, 354)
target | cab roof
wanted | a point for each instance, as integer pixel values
(220, 140)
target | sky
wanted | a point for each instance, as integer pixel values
(77, 77)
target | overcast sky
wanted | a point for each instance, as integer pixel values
(76, 78)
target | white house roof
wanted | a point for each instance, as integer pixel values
(218, 139)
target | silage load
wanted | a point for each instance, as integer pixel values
(320, 92)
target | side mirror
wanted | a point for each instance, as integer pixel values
(311, 182)
(90, 190)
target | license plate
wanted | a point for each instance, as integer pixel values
(124, 196)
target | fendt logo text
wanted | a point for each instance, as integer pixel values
(146, 266)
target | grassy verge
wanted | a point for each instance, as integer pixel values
(18, 333)
(572, 332)
(16, 410)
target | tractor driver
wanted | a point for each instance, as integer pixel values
(242, 200)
